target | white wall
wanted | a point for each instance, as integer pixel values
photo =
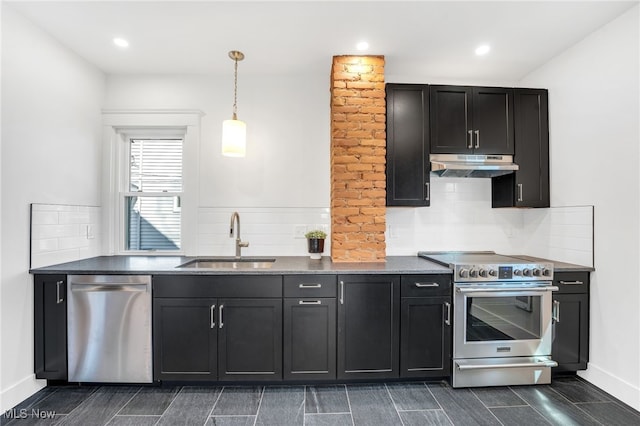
(51, 146)
(594, 113)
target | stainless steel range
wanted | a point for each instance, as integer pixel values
(503, 323)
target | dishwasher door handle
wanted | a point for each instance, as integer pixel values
(109, 287)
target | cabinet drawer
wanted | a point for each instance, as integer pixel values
(217, 286)
(571, 282)
(425, 285)
(310, 285)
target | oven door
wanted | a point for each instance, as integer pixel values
(502, 321)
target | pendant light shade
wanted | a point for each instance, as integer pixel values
(234, 131)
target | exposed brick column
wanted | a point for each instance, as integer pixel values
(358, 150)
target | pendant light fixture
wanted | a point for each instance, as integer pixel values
(234, 131)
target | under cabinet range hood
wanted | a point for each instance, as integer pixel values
(479, 166)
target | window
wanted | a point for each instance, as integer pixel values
(152, 198)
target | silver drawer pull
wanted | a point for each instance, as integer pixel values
(447, 321)
(424, 285)
(59, 298)
(309, 285)
(571, 282)
(309, 302)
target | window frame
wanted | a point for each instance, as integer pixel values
(118, 126)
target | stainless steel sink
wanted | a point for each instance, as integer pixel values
(229, 263)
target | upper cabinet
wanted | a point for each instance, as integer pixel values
(408, 145)
(471, 120)
(529, 186)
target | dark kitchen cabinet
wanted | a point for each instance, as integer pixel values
(250, 339)
(368, 326)
(185, 339)
(570, 347)
(529, 186)
(50, 326)
(209, 328)
(471, 120)
(425, 326)
(408, 163)
(309, 347)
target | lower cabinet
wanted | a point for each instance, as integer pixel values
(217, 338)
(425, 326)
(50, 327)
(570, 347)
(368, 326)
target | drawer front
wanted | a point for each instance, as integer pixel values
(571, 282)
(425, 285)
(310, 285)
(253, 286)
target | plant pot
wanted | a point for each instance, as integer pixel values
(316, 247)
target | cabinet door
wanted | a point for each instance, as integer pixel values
(425, 337)
(492, 120)
(250, 339)
(310, 339)
(50, 327)
(407, 145)
(450, 113)
(529, 186)
(368, 326)
(184, 339)
(570, 347)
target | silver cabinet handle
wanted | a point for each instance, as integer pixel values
(447, 321)
(309, 302)
(342, 292)
(571, 282)
(303, 285)
(59, 299)
(423, 285)
(555, 313)
(213, 315)
(470, 146)
(519, 192)
(428, 197)
(220, 323)
(477, 138)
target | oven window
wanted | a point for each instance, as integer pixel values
(503, 318)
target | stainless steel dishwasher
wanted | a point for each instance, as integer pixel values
(109, 328)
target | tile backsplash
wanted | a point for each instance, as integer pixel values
(461, 218)
(269, 231)
(64, 233)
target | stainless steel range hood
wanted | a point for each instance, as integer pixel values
(463, 165)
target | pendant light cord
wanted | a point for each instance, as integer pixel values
(235, 90)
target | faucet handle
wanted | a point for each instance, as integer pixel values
(243, 243)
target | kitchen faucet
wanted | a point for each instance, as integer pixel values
(235, 218)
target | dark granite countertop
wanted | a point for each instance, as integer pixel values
(167, 265)
(558, 266)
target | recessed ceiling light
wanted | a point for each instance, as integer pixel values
(363, 45)
(483, 50)
(120, 42)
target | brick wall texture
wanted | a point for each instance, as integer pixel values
(358, 141)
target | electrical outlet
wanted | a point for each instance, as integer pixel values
(299, 231)
(90, 235)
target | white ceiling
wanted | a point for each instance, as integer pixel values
(419, 37)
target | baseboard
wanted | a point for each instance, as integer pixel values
(617, 387)
(18, 392)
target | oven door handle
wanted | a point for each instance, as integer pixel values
(549, 363)
(509, 289)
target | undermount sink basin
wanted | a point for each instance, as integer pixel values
(229, 263)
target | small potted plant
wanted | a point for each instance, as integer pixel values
(315, 239)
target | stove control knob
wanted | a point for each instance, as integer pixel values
(536, 272)
(517, 272)
(464, 273)
(483, 273)
(526, 272)
(546, 272)
(493, 272)
(473, 273)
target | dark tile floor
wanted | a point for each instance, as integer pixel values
(567, 401)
